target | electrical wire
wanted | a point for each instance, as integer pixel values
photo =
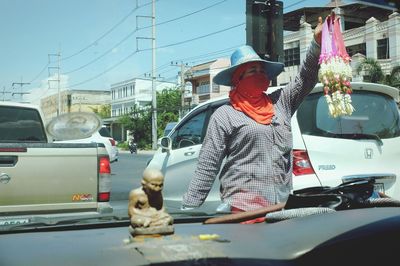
(187, 15)
(93, 43)
(106, 33)
(145, 49)
(161, 47)
(126, 37)
(165, 46)
(40, 73)
(294, 4)
(136, 30)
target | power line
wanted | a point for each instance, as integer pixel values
(294, 4)
(40, 73)
(93, 43)
(106, 33)
(218, 52)
(130, 55)
(105, 71)
(160, 47)
(187, 15)
(197, 38)
(136, 30)
(129, 35)
(102, 55)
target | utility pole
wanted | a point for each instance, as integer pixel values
(4, 93)
(153, 80)
(182, 85)
(20, 85)
(57, 79)
(153, 73)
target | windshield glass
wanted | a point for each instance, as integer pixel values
(104, 132)
(151, 72)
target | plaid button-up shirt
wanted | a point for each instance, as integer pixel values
(257, 170)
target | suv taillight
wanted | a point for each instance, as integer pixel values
(104, 179)
(301, 163)
(112, 142)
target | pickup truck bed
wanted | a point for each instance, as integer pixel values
(49, 177)
(42, 177)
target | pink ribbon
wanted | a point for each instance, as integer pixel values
(339, 41)
(332, 43)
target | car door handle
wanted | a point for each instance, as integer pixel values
(189, 153)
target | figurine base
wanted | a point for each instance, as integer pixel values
(155, 230)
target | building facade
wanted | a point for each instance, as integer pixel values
(369, 38)
(379, 40)
(133, 92)
(127, 94)
(200, 78)
(73, 101)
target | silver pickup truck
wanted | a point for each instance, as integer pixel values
(45, 177)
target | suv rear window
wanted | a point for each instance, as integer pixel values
(104, 132)
(21, 125)
(375, 114)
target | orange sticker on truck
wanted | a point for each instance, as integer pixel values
(82, 197)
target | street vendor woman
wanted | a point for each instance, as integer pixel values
(253, 132)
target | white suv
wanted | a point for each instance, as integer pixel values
(326, 151)
(101, 136)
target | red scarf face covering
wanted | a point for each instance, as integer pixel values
(248, 97)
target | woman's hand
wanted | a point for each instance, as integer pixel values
(318, 31)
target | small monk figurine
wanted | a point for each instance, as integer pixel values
(146, 212)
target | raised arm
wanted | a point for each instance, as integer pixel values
(307, 76)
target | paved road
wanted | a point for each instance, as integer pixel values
(126, 175)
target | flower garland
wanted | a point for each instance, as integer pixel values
(335, 72)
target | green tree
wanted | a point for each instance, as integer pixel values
(372, 70)
(394, 78)
(139, 123)
(139, 120)
(104, 111)
(168, 107)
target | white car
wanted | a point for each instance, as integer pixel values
(104, 136)
(101, 136)
(169, 127)
(326, 151)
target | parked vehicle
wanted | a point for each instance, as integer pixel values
(169, 127)
(48, 178)
(101, 136)
(109, 142)
(326, 150)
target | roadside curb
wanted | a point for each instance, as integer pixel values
(139, 151)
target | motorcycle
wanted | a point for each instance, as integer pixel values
(132, 147)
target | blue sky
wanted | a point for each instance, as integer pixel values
(97, 39)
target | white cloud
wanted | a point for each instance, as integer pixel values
(48, 86)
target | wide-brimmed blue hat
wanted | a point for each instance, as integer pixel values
(243, 55)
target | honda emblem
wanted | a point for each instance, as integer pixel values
(368, 153)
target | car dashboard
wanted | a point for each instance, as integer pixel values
(351, 237)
